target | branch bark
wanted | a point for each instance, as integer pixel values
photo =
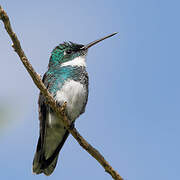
(50, 100)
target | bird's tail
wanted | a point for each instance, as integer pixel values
(37, 167)
(43, 163)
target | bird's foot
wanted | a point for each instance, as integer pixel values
(72, 126)
(59, 104)
(62, 105)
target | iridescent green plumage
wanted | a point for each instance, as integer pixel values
(65, 52)
(59, 75)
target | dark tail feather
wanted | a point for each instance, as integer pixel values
(47, 166)
(38, 166)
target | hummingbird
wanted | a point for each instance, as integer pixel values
(67, 81)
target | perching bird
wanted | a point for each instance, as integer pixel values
(67, 81)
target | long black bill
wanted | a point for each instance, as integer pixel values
(97, 41)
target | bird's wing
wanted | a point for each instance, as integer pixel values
(51, 138)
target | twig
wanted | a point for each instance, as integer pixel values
(60, 111)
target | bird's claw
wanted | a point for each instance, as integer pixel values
(72, 126)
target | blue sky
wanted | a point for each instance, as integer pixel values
(132, 116)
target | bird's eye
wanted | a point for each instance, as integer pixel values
(68, 51)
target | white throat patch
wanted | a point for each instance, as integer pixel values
(78, 61)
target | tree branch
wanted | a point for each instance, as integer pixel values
(50, 100)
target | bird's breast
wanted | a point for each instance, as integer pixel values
(75, 94)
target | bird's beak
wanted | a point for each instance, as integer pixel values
(85, 47)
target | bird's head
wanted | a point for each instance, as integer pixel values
(68, 51)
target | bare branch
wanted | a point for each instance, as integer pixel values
(50, 100)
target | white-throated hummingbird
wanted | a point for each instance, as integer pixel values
(67, 81)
